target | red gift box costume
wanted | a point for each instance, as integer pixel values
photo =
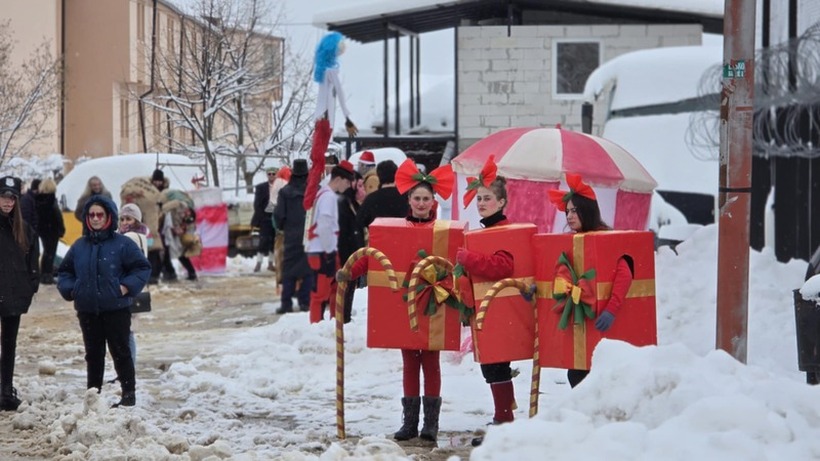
(400, 240)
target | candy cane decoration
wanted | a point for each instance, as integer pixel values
(527, 290)
(341, 287)
(414, 281)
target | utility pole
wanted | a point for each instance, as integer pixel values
(736, 118)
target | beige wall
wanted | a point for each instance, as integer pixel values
(96, 61)
(31, 23)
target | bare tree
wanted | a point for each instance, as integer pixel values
(223, 87)
(28, 95)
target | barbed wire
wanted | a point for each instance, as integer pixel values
(786, 101)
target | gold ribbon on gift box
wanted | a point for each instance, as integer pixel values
(441, 242)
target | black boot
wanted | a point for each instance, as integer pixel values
(410, 418)
(129, 399)
(8, 399)
(432, 407)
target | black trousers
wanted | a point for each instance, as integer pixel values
(576, 376)
(112, 328)
(49, 250)
(9, 326)
(155, 258)
(496, 372)
(266, 234)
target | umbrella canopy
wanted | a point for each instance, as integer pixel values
(535, 160)
(544, 154)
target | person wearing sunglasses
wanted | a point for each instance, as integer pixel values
(21, 279)
(101, 274)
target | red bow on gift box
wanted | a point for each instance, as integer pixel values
(441, 179)
(576, 186)
(573, 293)
(485, 177)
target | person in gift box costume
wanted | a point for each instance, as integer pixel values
(583, 215)
(323, 239)
(420, 189)
(490, 192)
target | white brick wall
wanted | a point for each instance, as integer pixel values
(506, 81)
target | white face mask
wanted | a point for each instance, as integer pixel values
(341, 48)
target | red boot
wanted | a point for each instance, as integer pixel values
(504, 398)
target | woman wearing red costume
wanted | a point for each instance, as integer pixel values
(420, 189)
(583, 215)
(490, 192)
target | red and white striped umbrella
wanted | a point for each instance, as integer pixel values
(535, 159)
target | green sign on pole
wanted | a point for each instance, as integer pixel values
(735, 69)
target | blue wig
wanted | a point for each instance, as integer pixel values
(326, 55)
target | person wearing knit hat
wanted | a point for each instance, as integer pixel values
(322, 238)
(158, 180)
(130, 225)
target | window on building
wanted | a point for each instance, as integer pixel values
(124, 131)
(140, 22)
(573, 61)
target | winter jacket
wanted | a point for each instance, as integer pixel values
(28, 208)
(350, 237)
(386, 202)
(289, 216)
(49, 217)
(261, 198)
(98, 263)
(19, 270)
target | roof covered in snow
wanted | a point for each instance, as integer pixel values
(366, 22)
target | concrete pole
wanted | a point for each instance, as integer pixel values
(736, 117)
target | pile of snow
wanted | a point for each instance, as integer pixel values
(268, 392)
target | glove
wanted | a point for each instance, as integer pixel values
(462, 255)
(529, 294)
(351, 128)
(604, 321)
(342, 275)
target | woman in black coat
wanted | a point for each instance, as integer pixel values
(20, 250)
(50, 227)
(101, 273)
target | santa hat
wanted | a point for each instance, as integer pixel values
(344, 169)
(367, 158)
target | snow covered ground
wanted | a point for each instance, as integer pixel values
(261, 388)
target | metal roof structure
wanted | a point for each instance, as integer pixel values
(413, 19)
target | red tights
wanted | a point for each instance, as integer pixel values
(416, 360)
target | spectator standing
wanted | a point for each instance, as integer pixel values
(367, 168)
(27, 204)
(282, 179)
(323, 234)
(178, 230)
(350, 237)
(386, 202)
(264, 201)
(141, 191)
(50, 227)
(94, 186)
(289, 216)
(101, 274)
(131, 226)
(21, 279)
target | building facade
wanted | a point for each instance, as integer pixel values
(110, 51)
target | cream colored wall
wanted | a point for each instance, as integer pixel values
(31, 22)
(97, 61)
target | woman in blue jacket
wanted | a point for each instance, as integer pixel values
(101, 273)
